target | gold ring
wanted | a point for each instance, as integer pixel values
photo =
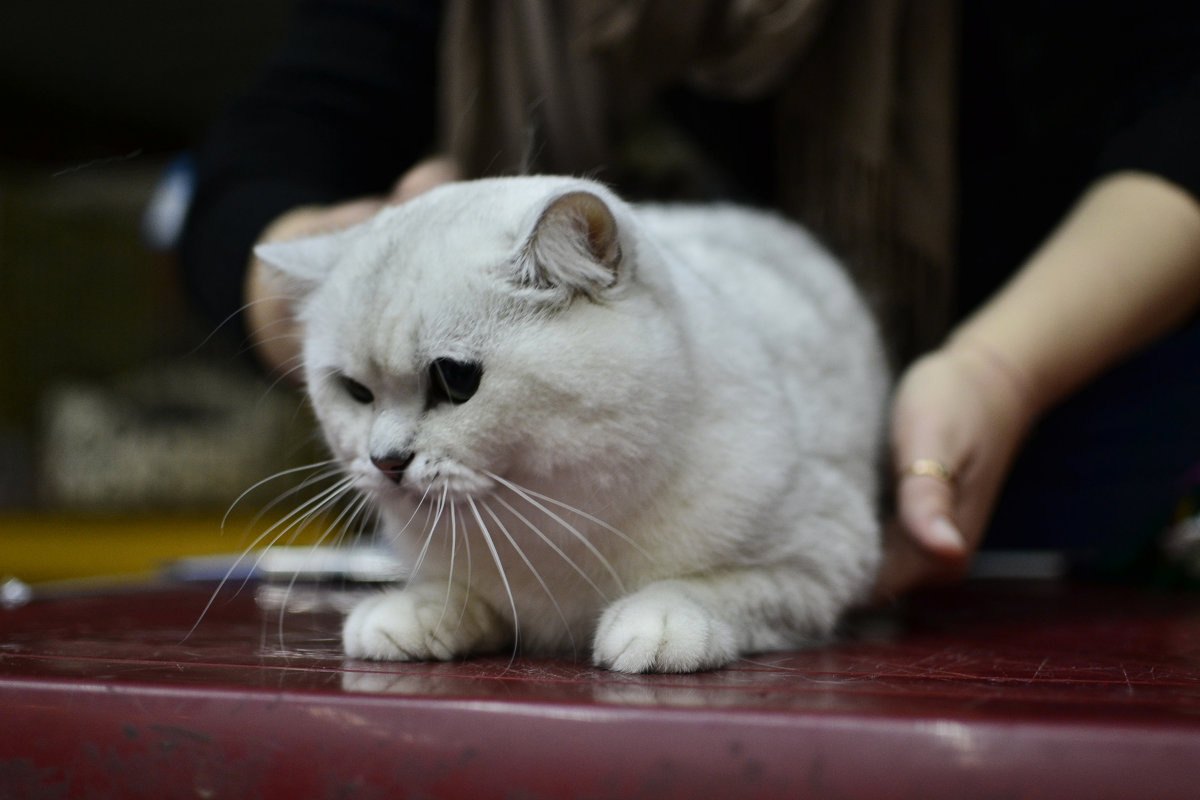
(929, 468)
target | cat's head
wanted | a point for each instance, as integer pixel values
(510, 328)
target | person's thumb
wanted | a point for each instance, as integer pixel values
(925, 505)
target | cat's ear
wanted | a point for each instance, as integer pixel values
(574, 246)
(307, 261)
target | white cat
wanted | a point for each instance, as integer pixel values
(651, 430)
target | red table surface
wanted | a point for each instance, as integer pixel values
(987, 690)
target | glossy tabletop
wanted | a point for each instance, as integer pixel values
(1034, 690)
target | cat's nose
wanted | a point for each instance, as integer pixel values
(393, 464)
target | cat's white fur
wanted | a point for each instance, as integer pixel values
(701, 385)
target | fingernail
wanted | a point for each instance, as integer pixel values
(944, 536)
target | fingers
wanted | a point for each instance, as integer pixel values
(931, 441)
(907, 564)
(926, 485)
(344, 215)
(424, 176)
(926, 503)
(269, 313)
(923, 545)
(954, 434)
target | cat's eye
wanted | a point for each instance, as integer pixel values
(358, 393)
(453, 381)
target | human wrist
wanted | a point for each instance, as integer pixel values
(995, 370)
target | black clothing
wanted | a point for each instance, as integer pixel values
(1055, 95)
(342, 111)
(1052, 96)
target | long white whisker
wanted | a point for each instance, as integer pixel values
(431, 528)
(304, 515)
(281, 334)
(454, 526)
(341, 524)
(533, 570)
(344, 482)
(567, 507)
(367, 520)
(343, 520)
(315, 504)
(283, 374)
(270, 478)
(372, 520)
(296, 576)
(312, 506)
(550, 543)
(302, 512)
(470, 570)
(327, 499)
(212, 334)
(570, 529)
(512, 601)
(354, 519)
(416, 510)
(453, 548)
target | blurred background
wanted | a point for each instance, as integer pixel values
(128, 425)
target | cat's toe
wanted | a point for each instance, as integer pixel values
(659, 630)
(394, 627)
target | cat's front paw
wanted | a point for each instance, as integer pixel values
(662, 629)
(408, 625)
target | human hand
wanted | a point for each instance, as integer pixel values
(964, 409)
(1120, 270)
(422, 177)
(270, 316)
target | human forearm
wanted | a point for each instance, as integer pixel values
(1121, 270)
(270, 316)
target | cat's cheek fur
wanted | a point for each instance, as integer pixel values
(612, 403)
(347, 432)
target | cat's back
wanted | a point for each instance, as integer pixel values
(766, 269)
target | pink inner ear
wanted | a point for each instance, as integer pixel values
(599, 226)
(575, 247)
(589, 215)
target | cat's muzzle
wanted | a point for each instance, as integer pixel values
(393, 465)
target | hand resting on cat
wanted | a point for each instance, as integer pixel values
(650, 433)
(270, 317)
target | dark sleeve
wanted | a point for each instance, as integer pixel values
(341, 112)
(1054, 96)
(1163, 139)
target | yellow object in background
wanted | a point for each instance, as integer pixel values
(37, 548)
